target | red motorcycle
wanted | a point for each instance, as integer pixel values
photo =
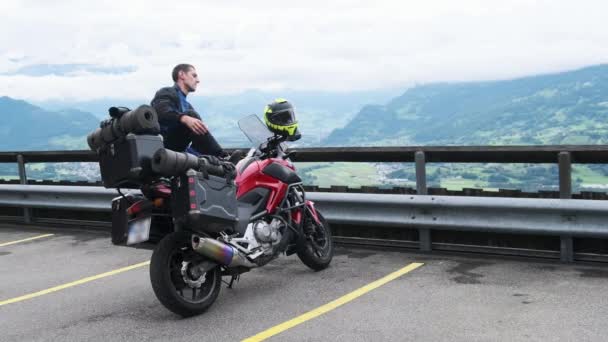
(207, 219)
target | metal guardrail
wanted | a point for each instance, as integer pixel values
(559, 217)
(92, 198)
(563, 155)
(584, 154)
(576, 218)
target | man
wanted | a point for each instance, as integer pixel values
(180, 124)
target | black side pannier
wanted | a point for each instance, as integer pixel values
(204, 202)
(126, 162)
(125, 144)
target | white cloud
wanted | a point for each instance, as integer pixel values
(343, 45)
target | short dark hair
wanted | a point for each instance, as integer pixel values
(180, 67)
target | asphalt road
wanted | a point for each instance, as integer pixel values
(449, 298)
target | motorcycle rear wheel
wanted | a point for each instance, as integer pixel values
(169, 276)
(317, 248)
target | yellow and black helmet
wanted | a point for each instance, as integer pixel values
(280, 117)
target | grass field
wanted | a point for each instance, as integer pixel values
(459, 183)
(589, 178)
(351, 174)
(35, 166)
(450, 176)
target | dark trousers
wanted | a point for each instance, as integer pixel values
(178, 137)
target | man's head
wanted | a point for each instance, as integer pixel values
(185, 76)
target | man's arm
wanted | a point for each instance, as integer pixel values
(165, 108)
(196, 125)
(169, 113)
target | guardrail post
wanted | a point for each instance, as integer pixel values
(420, 173)
(424, 234)
(565, 191)
(27, 213)
(565, 175)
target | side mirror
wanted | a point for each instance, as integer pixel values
(289, 155)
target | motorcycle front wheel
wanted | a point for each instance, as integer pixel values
(316, 248)
(176, 279)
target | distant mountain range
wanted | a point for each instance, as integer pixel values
(318, 112)
(28, 127)
(563, 108)
(63, 125)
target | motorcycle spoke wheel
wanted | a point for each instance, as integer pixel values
(316, 250)
(189, 293)
(178, 287)
(318, 241)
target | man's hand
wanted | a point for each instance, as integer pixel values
(195, 125)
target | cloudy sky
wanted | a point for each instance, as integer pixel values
(71, 49)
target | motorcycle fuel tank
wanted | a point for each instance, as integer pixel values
(251, 176)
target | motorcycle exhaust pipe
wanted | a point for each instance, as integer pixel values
(220, 252)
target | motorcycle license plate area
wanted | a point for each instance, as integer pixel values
(139, 230)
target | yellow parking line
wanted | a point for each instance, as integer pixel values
(331, 305)
(74, 283)
(24, 240)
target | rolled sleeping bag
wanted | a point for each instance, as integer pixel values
(142, 119)
(106, 134)
(94, 140)
(111, 131)
(117, 112)
(170, 163)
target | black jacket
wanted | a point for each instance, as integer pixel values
(167, 106)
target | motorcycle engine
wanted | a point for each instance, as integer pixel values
(259, 238)
(267, 233)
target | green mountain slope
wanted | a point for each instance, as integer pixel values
(563, 108)
(28, 127)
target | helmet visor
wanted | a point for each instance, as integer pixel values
(283, 118)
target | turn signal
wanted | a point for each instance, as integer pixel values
(158, 202)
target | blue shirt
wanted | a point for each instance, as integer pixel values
(184, 106)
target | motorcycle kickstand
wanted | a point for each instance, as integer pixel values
(234, 277)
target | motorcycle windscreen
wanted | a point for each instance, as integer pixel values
(254, 129)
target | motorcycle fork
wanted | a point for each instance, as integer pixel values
(310, 208)
(291, 212)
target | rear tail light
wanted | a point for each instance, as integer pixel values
(139, 206)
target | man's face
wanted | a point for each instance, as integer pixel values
(190, 79)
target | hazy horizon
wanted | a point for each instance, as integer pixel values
(122, 52)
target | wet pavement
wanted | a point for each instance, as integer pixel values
(449, 298)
